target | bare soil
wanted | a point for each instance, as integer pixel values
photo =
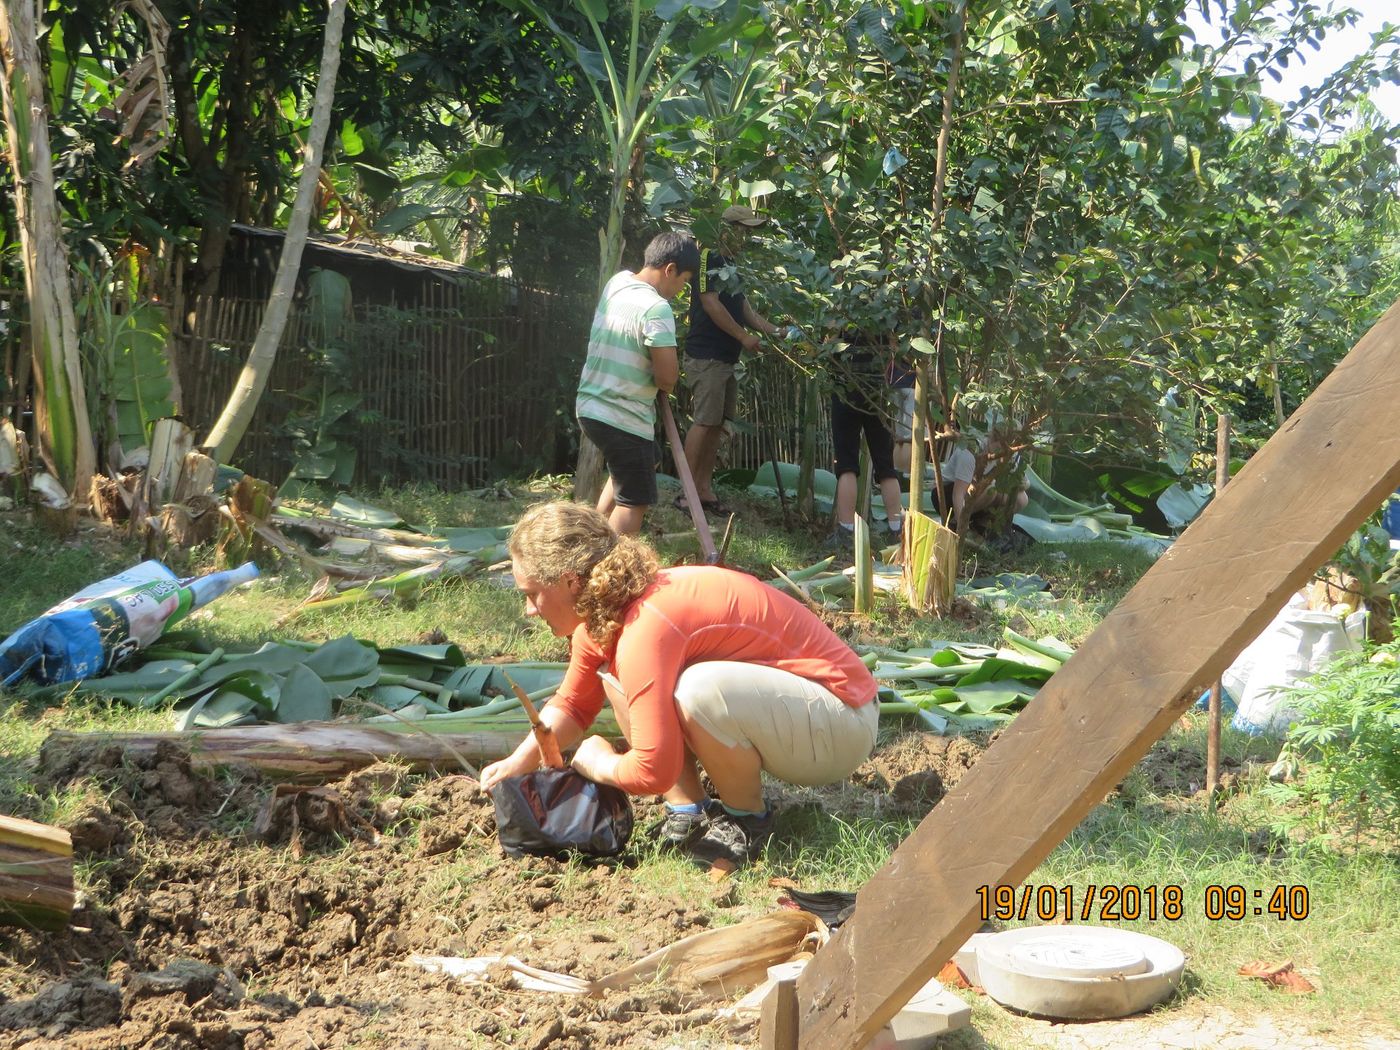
(223, 913)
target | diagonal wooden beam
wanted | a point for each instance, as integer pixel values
(1288, 511)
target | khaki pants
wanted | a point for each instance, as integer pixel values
(804, 733)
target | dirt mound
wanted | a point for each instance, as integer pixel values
(916, 770)
(189, 899)
(224, 912)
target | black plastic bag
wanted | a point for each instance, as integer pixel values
(555, 812)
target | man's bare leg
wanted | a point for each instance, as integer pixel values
(607, 499)
(701, 449)
(627, 521)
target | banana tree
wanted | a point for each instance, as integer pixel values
(65, 436)
(627, 90)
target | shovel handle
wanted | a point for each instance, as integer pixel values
(692, 496)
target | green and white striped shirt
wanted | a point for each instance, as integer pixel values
(617, 386)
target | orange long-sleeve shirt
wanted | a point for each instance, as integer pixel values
(689, 615)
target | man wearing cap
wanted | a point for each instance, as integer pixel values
(722, 325)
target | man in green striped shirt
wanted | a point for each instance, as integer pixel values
(632, 355)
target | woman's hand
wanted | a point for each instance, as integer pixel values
(596, 759)
(514, 765)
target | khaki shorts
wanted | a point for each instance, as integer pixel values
(804, 734)
(714, 392)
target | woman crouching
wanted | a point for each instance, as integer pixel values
(704, 667)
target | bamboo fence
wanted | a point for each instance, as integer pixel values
(473, 382)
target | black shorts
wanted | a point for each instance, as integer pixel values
(848, 422)
(631, 462)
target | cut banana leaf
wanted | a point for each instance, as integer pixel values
(261, 688)
(1049, 652)
(465, 540)
(272, 658)
(997, 669)
(226, 709)
(305, 698)
(449, 655)
(357, 512)
(823, 484)
(986, 697)
(135, 686)
(344, 665)
(395, 697)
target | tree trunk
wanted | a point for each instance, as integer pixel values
(591, 471)
(940, 177)
(36, 875)
(64, 432)
(238, 413)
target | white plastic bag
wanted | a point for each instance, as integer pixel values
(1296, 645)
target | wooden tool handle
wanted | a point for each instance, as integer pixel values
(544, 735)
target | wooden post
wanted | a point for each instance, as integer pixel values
(36, 875)
(1222, 478)
(777, 1019)
(1178, 629)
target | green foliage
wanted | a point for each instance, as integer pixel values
(1347, 742)
(1120, 216)
(122, 339)
(1368, 558)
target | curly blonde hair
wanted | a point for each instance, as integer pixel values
(552, 540)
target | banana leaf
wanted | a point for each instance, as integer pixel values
(223, 710)
(358, 512)
(271, 658)
(305, 697)
(449, 655)
(141, 386)
(134, 686)
(394, 697)
(984, 698)
(997, 669)
(344, 665)
(1049, 652)
(1179, 504)
(470, 540)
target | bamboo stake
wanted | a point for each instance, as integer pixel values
(1222, 478)
(36, 874)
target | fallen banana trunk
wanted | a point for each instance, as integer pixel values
(329, 528)
(309, 752)
(36, 875)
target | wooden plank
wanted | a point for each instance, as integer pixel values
(1289, 510)
(777, 1019)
